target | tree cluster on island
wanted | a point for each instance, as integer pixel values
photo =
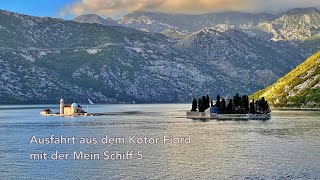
(237, 105)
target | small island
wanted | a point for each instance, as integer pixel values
(73, 109)
(237, 108)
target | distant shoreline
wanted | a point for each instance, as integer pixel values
(38, 104)
(295, 109)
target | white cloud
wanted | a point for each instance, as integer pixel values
(116, 7)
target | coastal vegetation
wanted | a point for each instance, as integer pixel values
(299, 88)
(236, 105)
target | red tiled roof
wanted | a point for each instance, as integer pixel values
(69, 105)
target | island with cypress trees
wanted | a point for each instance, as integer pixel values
(237, 108)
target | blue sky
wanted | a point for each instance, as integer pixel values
(49, 8)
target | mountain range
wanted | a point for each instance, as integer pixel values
(45, 59)
(300, 26)
(295, 24)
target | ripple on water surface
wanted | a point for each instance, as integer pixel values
(285, 147)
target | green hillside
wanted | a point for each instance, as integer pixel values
(299, 88)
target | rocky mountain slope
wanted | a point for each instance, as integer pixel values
(299, 88)
(186, 24)
(44, 59)
(310, 46)
(94, 18)
(297, 24)
(241, 55)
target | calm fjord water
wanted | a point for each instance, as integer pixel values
(287, 146)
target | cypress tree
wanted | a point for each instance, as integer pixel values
(247, 104)
(244, 104)
(267, 108)
(204, 103)
(236, 100)
(257, 106)
(194, 105)
(252, 107)
(200, 105)
(230, 107)
(207, 101)
(264, 105)
(223, 106)
(218, 101)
